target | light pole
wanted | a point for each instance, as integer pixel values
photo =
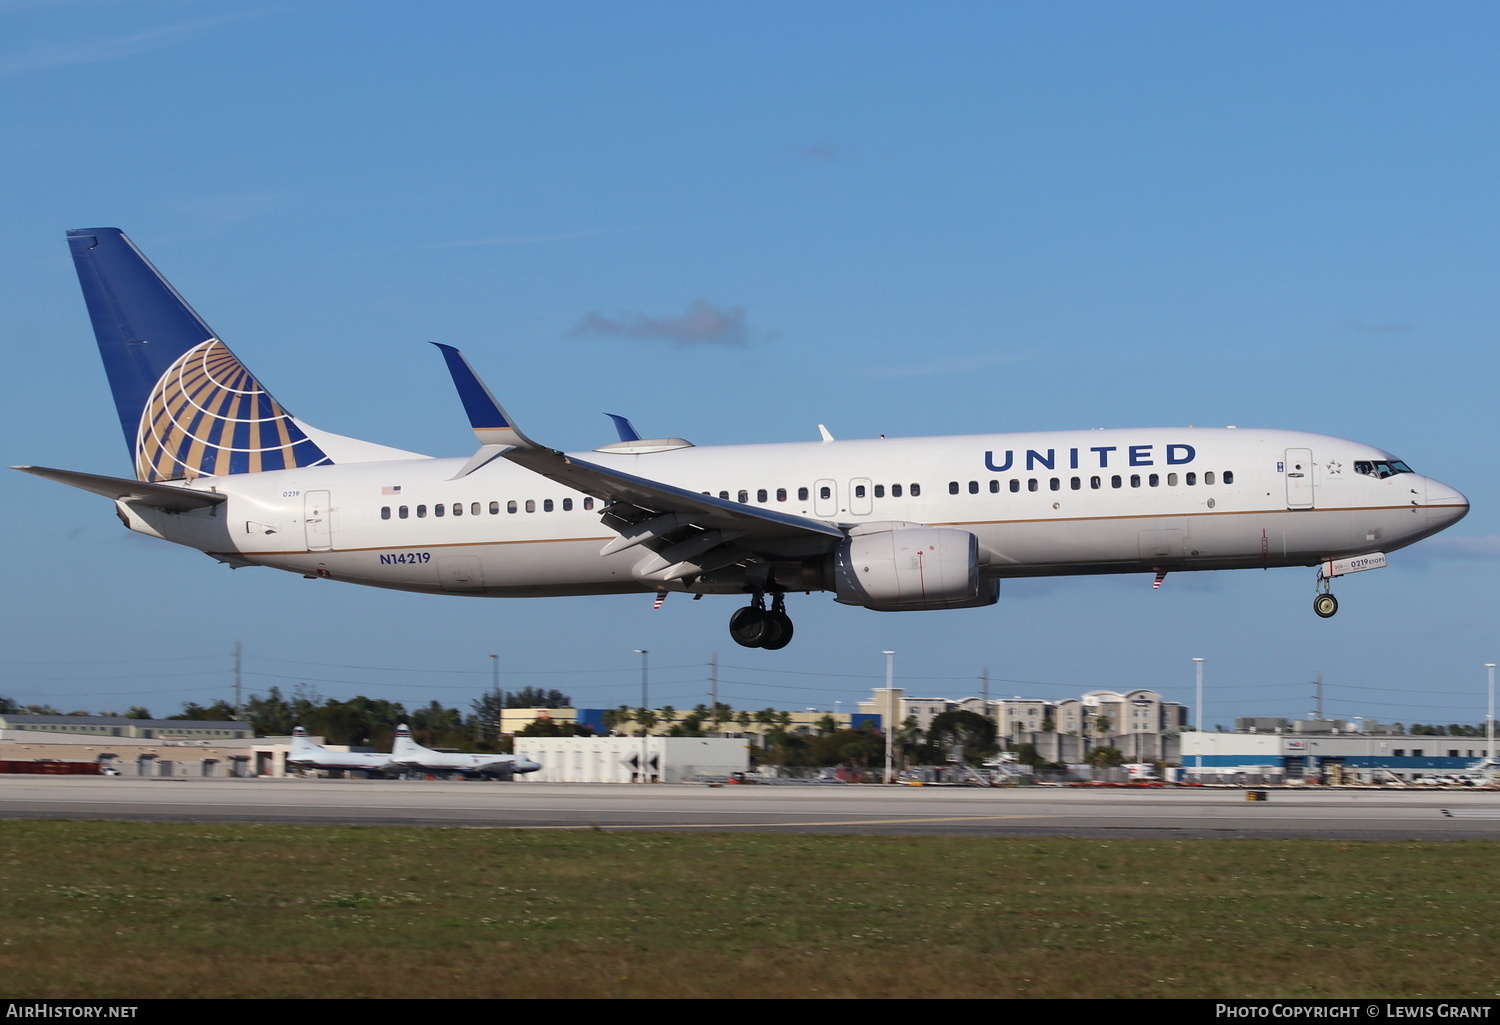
(1489, 725)
(1198, 709)
(644, 705)
(495, 687)
(890, 708)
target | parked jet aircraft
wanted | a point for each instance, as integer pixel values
(408, 754)
(307, 755)
(887, 524)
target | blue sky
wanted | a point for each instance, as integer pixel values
(732, 222)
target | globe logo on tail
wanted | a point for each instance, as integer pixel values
(208, 416)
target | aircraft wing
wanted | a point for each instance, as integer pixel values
(166, 497)
(690, 531)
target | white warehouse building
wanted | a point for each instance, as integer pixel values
(617, 759)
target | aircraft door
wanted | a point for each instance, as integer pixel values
(826, 499)
(860, 501)
(1299, 478)
(317, 519)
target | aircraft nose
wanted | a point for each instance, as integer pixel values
(1445, 506)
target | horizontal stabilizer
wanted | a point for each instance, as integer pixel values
(167, 497)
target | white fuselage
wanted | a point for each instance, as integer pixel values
(1106, 501)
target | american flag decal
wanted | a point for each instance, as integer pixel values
(390, 490)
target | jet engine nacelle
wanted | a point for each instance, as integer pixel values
(911, 568)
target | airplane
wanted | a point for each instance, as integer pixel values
(889, 524)
(307, 755)
(408, 754)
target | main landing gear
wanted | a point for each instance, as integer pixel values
(1324, 603)
(755, 626)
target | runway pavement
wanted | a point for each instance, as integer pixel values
(1032, 811)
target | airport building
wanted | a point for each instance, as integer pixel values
(619, 759)
(160, 748)
(1325, 750)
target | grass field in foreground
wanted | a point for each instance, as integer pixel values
(113, 909)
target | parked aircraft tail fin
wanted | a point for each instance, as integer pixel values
(404, 745)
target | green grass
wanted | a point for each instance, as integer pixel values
(109, 909)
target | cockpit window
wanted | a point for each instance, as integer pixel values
(1381, 468)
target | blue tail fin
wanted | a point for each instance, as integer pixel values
(188, 407)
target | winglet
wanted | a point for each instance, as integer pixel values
(624, 428)
(824, 432)
(492, 426)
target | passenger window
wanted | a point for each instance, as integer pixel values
(825, 492)
(1228, 476)
(781, 494)
(1135, 480)
(724, 495)
(438, 510)
(421, 512)
(510, 506)
(1154, 480)
(1191, 479)
(401, 512)
(1171, 480)
(744, 496)
(1208, 477)
(385, 512)
(994, 487)
(1031, 484)
(547, 505)
(1115, 481)
(474, 509)
(880, 491)
(458, 508)
(953, 487)
(1055, 484)
(588, 503)
(494, 508)
(916, 489)
(761, 496)
(531, 505)
(1095, 482)
(801, 494)
(1076, 483)
(567, 505)
(895, 490)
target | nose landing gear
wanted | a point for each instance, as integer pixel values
(755, 626)
(1324, 603)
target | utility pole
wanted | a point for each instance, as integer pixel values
(1318, 685)
(238, 710)
(713, 687)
